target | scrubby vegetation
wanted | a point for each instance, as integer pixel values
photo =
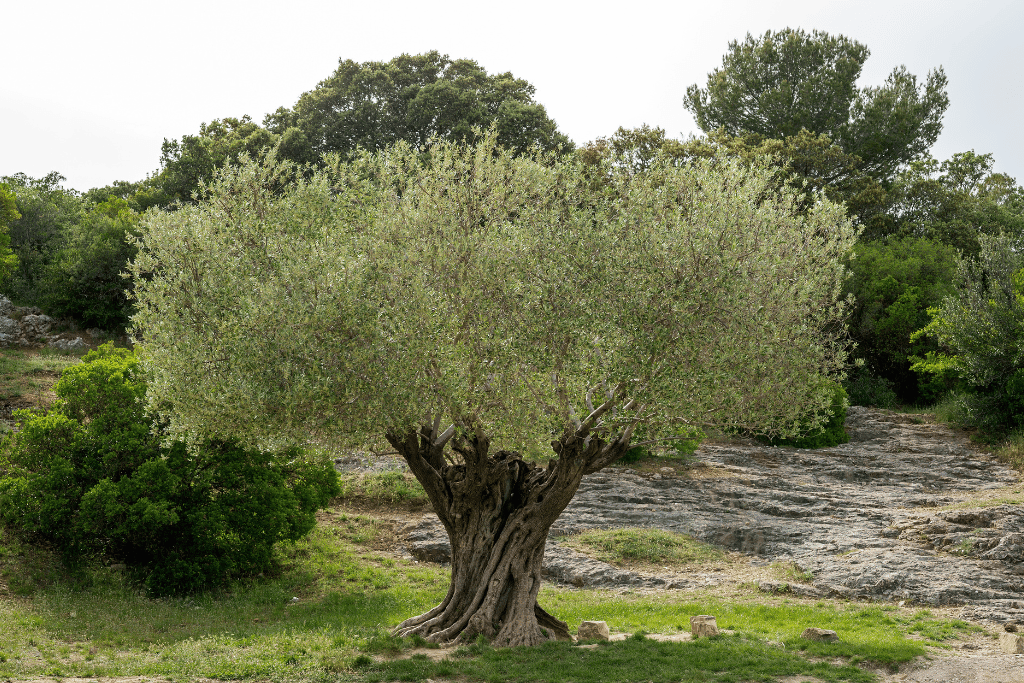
(93, 475)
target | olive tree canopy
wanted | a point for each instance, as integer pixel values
(467, 297)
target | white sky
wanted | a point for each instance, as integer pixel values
(91, 88)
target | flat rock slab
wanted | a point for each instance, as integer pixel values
(991, 669)
(864, 518)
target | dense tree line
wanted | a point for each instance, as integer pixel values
(789, 95)
(67, 250)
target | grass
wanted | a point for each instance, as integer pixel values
(1011, 451)
(27, 377)
(726, 658)
(383, 487)
(630, 547)
(791, 572)
(765, 644)
(92, 622)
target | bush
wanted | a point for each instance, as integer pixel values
(92, 475)
(866, 389)
(84, 280)
(981, 330)
(832, 433)
(894, 283)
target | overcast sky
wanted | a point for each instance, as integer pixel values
(90, 89)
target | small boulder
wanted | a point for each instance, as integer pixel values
(822, 635)
(1011, 643)
(69, 346)
(593, 630)
(703, 626)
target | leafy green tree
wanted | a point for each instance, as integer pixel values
(92, 475)
(893, 284)
(784, 82)
(953, 202)
(185, 164)
(373, 105)
(71, 251)
(468, 297)
(8, 213)
(981, 330)
(84, 280)
(47, 212)
(369, 105)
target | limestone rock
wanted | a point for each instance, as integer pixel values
(593, 630)
(1011, 643)
(428, 541)
(864, 520)
(703, 626)
(822, 635)
(69, 345)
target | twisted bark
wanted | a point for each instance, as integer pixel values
(497, 510)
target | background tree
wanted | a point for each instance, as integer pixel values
(413, 98)
(893, 284)
(981, 329)
(470, 297)
(781, 83)
(953, 202)
(84, 280)
(368, 105)
(8, 213)
(193, 159)
(47, 211)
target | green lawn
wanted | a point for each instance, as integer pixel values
(91, 622)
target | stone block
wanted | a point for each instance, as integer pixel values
(703, 626)
(593, 630)
(1011, 643)
(822, 635)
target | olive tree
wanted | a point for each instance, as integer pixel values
(469, 305)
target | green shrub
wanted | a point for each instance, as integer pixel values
(92, 475)
(867, 389)
(980, 328)
(893, 284)
(84, 281)
(832, 433)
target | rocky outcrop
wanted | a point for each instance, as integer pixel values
(27, 327)
(886, 516)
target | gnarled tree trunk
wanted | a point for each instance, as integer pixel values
(497, 510)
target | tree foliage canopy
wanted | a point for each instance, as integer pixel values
(953, 201)
(478, 286)
(981, 329)
(8, 213)
(784, 82)
(414, 98)
(369, 106)
(894, 283)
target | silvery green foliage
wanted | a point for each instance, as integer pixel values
(469, 287)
